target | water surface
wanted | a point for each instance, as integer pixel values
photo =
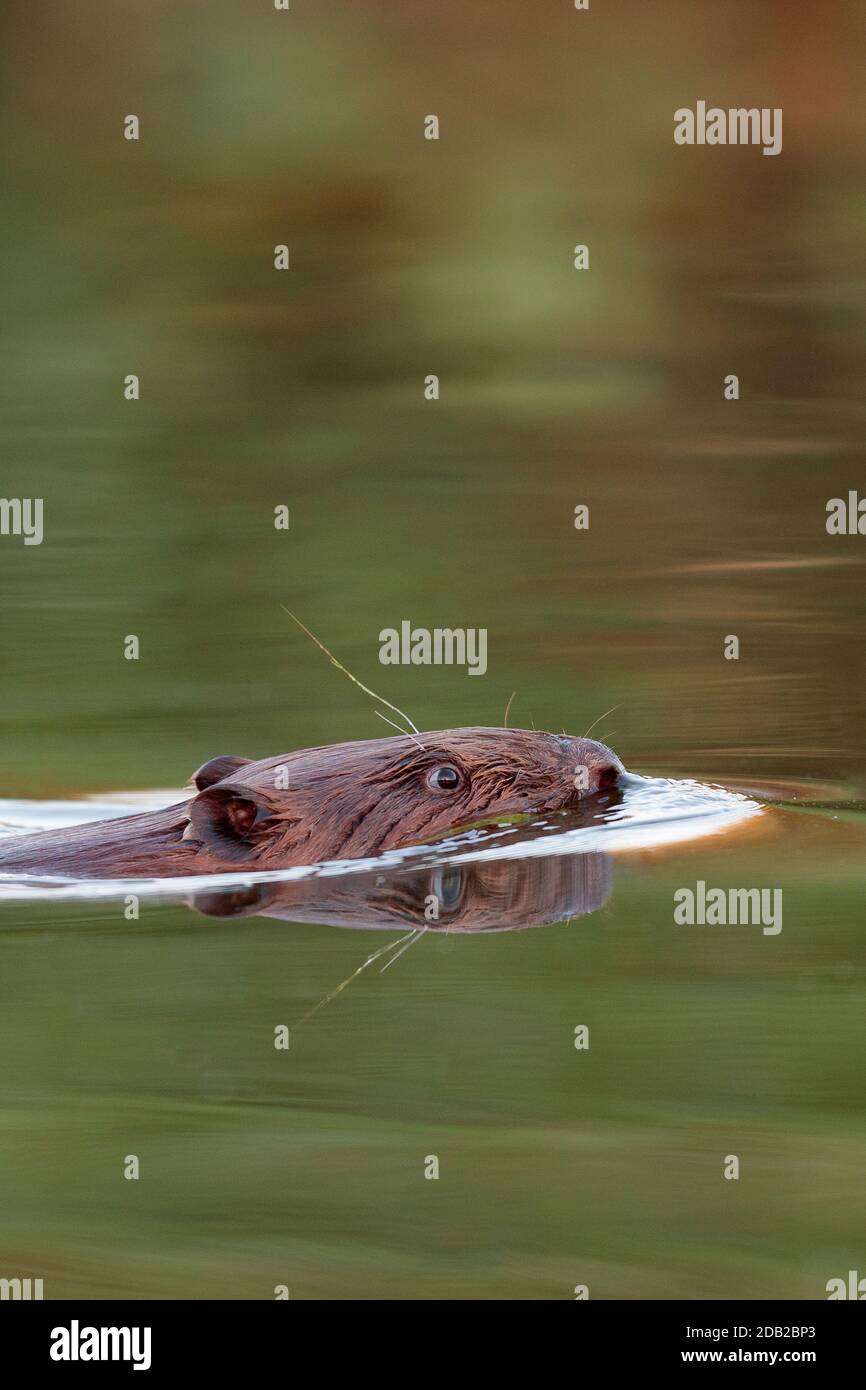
(154, 1035)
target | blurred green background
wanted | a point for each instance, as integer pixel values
(305, 388)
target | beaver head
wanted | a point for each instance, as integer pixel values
(352, 800)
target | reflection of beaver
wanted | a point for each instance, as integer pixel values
(345, 801)
(500, 895)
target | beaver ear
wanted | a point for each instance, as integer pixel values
(216, 770)
(237, 902)
(227, 820)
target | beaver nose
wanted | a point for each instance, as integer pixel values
(607, 776)
(596, 768)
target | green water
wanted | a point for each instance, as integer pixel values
(155, 1037)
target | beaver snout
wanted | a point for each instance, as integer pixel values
(594, 768)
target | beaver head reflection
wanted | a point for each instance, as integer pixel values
(491, 895)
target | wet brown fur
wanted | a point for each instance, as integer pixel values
(343, 801)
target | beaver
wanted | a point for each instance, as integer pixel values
(496, 896)
(340, 801)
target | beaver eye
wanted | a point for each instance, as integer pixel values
(448, 887)
(444, 779)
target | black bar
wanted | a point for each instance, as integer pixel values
(220, 1339)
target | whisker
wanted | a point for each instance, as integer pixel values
(399, 730)
(349, 978)
(507, 708)
(346, 672)
(600, 717)
(417, 937)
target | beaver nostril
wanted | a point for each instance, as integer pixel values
(608, 777)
